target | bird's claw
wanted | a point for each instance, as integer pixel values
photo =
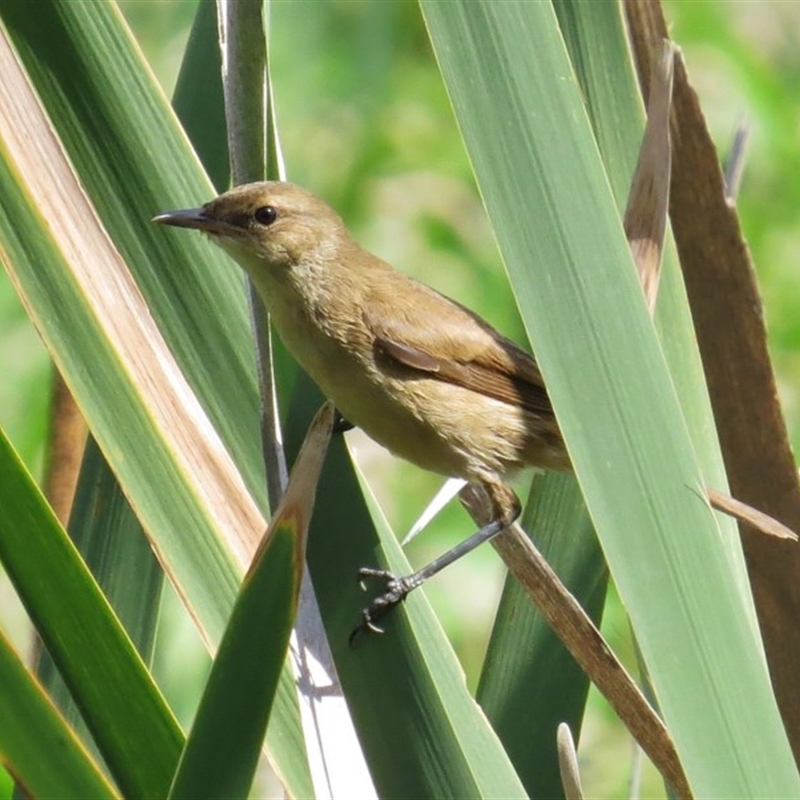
(340, 424)
(395, 591)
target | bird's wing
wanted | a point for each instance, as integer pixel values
(425, 331)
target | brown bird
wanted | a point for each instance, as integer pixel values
(419, 373)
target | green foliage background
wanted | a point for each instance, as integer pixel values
(365, 122)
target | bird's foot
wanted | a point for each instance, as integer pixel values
(340, 424)
(395, 591)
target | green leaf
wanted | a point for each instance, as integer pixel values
(198, 99)
(140, 740)
(222, 750)
(114, 548)
(36, 743)
(613, 395)
(530, 683)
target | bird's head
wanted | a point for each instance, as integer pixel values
(271, 225)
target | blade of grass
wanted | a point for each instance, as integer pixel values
(597, 39)
(115, 539)
(529, 681)
(36, 744)
(726, 306)
(336, 762)
(568, 760)
(525, 699)
(645, 219)
(634, 461)
(198, 99)
(66, 441)
(140, 741)
(200, 104)
(513, 674)
(585, 642)
(513, 677)
(222, 750)
(111, 542)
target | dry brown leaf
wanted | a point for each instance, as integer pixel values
(646, 213)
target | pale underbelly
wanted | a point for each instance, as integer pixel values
(438, 426)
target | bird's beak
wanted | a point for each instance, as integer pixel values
(192, 218)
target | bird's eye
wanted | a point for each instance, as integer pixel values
(266, 215)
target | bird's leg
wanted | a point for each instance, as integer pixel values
(506, 508)
(340, 424)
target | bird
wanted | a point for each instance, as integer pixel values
(418, 372)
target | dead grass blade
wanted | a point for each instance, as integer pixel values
(646, 214)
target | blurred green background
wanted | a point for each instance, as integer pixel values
(365, 122)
